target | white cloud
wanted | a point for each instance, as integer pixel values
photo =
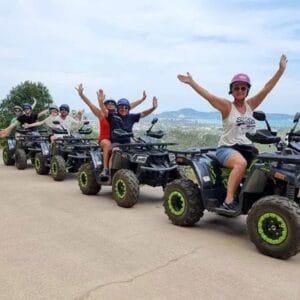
(129, 46)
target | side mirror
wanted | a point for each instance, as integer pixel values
(297, 117)
(259, 115)
(56, 122)
(154, 121)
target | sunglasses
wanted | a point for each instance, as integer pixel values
(17, 110)
(123, 107)
(240, 88)
(62, 109)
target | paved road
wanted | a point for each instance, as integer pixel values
(59, 244)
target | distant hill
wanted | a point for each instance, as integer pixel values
(189, 115)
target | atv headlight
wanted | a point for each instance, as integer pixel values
(140, 158)
(172, 158)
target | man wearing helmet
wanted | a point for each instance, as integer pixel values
(234, 146)
(104, 134)
(65, 120)
(123, 111)
(128, 119)
(53, 113)
(27, 117)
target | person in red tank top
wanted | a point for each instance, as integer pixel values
(104, 134)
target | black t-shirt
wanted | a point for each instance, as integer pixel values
(28, 119)
(126, 124)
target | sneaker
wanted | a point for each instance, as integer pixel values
(104, 173)
(233, 206)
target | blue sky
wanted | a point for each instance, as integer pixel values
(125, 47)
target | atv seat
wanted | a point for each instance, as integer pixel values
(213, 156)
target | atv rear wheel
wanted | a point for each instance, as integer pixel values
(87, 180)
(125, 188)
(182, 202)
(40, 164)
(7, 157)
(273, 225)
(58, 168)
(21, 159)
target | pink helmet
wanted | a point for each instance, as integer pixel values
(239, 78)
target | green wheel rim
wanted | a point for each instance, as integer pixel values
(176, 203)
(37, 164)
(272, 228)
(54, 168)
(120, 188)
(83, 178)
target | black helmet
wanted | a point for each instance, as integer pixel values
(65, 107)
(110, 101)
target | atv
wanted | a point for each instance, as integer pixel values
(26, 146)
(140, 162)
(268, 194)
(66, 153)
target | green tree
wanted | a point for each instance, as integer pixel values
(24, 92)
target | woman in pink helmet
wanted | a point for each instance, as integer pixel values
(237, 120)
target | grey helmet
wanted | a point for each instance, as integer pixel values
(53, 106)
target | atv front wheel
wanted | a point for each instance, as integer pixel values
(58, 168)
(21, 159)
(7, 157)
(40, 164)
(273, 225)
(87, 180)
(125, 188)
(182, 202)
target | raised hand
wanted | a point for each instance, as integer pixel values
(283, 62)
(4, 133)
(79, 89)
(80, 112)
(100, 95)
(154, 102)
(144, 95)
(185, 78)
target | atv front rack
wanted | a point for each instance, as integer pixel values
(288, 159)
(191, 152)
(143, 146)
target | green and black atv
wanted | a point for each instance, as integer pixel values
(24, 147)
(140, 162)
(66, 153)
(269, 194)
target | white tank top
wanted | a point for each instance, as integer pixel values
(236, 125)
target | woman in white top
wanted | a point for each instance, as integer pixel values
(237, 120)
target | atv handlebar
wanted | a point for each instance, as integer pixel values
(263, 136)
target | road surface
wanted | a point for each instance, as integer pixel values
(59, 244)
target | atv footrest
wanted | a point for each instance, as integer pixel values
(225, 212)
